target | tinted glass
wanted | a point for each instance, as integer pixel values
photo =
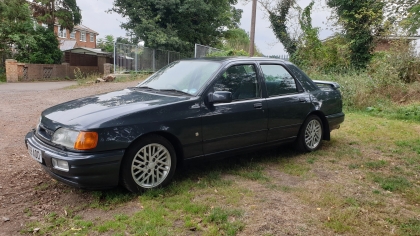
(241, 81)
(186, 76)
(278, 80)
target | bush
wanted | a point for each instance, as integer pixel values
(2, 75)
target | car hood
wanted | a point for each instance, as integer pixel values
(85, 112)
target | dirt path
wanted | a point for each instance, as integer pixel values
(21, 179)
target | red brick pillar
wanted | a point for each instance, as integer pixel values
(12, 73)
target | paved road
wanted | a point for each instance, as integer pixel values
(35, 86)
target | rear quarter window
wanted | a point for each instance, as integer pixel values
(306, 82)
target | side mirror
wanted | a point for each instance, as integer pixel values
(220, 97)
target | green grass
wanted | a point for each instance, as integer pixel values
(349, 186)
(394, 183)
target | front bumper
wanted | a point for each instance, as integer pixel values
(86, 170)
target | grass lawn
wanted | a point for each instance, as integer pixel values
(365, 181)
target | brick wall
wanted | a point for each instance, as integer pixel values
(32, 72)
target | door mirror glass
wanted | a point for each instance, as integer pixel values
(220, 97)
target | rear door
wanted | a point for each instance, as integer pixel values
(288, 104)
(241, 123)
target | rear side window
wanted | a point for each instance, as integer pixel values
(278, 80)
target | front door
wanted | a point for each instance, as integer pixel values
(241, 123)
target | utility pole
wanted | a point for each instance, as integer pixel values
(254, 13)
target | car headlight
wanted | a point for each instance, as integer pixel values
(79, 140)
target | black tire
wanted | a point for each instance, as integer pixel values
(310, 135)
(139, 173)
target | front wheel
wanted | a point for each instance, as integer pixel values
(310, 135)
(150, 163)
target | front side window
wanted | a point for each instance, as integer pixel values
(91, 37)
(186, 76)
(278, 80)
(241, 81)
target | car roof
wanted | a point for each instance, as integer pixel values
(229, 59)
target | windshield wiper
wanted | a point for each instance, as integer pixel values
(175, 90)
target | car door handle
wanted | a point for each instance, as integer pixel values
(302, 100)
(258, 105)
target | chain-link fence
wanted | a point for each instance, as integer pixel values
(202, 51)
(136, 58)
(282, 57)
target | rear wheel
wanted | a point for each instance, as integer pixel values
(148, 164)
(310, 135)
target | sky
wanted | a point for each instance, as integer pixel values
(95, 17)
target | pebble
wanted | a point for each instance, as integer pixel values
(5, 219)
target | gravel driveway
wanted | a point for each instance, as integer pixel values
(36, 86)
(22, 196)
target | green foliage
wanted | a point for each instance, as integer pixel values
(40, 48)
(229, 53)
(178, 25)
(237, 39)
(107, 43)
(360, 20)
(396, 65)
(64, 12)
(15, 23)
(331, 55)
(33, 43)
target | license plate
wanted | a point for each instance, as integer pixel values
(35, 153)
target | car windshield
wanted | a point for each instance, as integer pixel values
(184, 76)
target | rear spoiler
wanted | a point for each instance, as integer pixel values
(322, 83)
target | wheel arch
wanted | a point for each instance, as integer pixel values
(170, 137)
(325, 124)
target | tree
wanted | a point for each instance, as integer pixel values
(15, 21)
(40, 48)
(406, 13)
(33, 43)
(106, 44)
(278, 17)
(177, 25)
(65, 12)
(360, 21)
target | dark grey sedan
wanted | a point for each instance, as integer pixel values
(197, 108)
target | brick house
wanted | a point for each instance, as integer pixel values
(81, 36)
(385, 43)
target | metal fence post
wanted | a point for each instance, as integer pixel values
(115, 56)
(154, 61)
(195, 51)
(135, 56)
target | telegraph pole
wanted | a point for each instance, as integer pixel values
(254, 13)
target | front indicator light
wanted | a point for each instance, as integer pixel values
(60, 164)
(86, 140)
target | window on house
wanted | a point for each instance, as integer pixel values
(62, 33)
(73, 35)
(83, 36)
(92, 39)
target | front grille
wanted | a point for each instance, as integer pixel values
(44, 133)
